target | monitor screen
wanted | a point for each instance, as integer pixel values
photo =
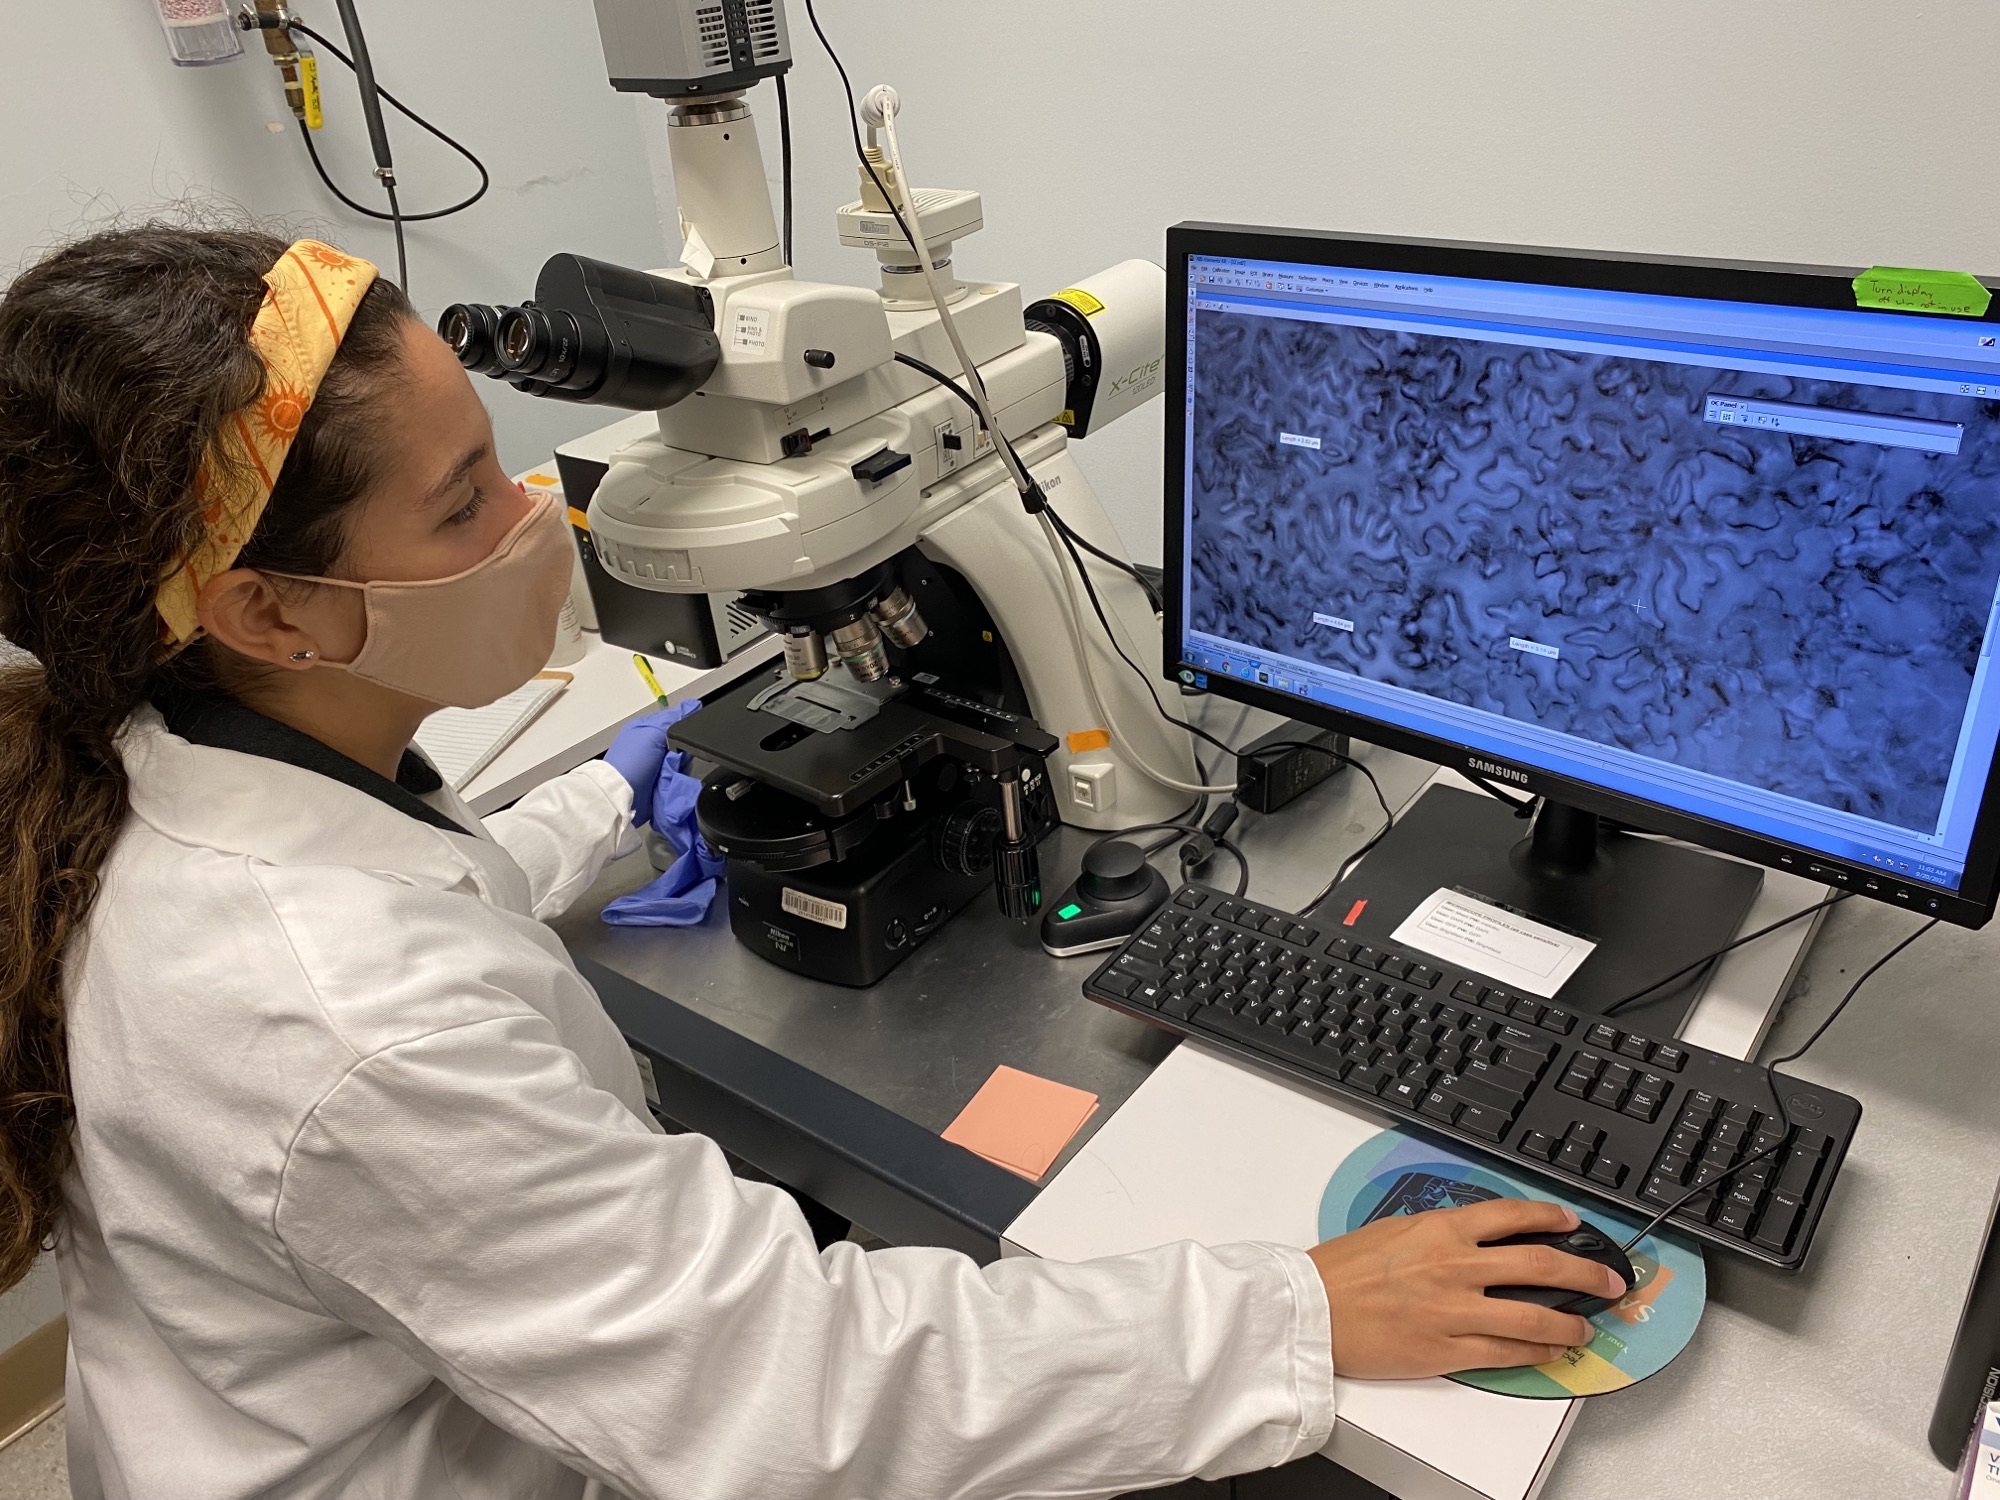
(1732, 557)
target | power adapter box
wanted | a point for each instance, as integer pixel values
(1276, 768)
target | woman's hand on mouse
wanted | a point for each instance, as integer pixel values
(1408, 1294)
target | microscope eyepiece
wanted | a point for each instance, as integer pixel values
(548, 347)
(470, 327)
(594, 333)
(517, 337)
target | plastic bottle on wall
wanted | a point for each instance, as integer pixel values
(199, 32)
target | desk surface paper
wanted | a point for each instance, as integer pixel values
(1519, 952)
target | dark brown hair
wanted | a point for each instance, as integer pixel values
(120, 357)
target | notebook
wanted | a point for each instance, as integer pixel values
(462, 741)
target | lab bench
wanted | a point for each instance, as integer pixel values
(1818, 1384)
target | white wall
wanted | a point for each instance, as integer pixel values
(95, 121)
(1830, 131)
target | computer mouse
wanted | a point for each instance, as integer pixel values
(1587, 1242)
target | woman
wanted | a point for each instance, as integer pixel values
(350, 1179)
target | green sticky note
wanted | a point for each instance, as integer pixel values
(1905, 290)
(1065, 913)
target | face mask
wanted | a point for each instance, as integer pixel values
(470, 639)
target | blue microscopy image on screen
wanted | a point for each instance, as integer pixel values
(1581, 541)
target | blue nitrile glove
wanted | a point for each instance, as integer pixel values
(682, 896)
(639, 753)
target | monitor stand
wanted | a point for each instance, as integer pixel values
(1650, 906)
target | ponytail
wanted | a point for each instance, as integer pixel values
(120, 357)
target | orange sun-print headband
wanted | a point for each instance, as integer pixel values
(311, 296)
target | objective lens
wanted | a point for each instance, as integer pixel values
(469, 327)
(805, 655)
(859, 644)
(897, 614)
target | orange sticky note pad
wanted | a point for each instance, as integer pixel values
(1021, 1122)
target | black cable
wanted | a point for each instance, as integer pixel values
(1522, 806)
(378, 132)
(947, 381)
(1033, 497)
(394, 217)
(371, 97)
(1242, 865)
(1068, 540)
(1346, 865)
(1619, 1004)
(958, 390)
(1868, 974)
(1145, 583)
(1176, 826)
(402, 254)
(854, 126)
(785, 158)
(485, 179)
(1771, 1081)
(1388, 817)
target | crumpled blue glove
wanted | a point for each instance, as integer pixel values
(639, 753)
(682, 896)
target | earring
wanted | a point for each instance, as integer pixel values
(304, 655)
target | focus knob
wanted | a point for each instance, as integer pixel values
(965, 843)
(1114, 871)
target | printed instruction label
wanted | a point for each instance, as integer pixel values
(750, 329)
(826, 913)
(1518, 951)
(1298, 440)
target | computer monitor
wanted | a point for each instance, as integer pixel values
(1707, 550)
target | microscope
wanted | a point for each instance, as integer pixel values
(954, 682)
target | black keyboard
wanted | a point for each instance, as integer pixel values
(1606, 1112)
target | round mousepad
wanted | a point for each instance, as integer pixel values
(1639, 1335)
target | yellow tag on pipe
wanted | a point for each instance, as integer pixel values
(1081, 300)
(309, 83)
(1903, 289)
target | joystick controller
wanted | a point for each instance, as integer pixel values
(1113, 896)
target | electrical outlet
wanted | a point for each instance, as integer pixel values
(1094, 787)
(950, 447)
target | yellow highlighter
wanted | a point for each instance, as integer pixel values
(652, 683)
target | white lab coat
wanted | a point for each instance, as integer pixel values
(367, 1203)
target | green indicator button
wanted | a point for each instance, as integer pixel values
(1063, 914)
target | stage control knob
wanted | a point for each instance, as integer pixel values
(965, 843)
